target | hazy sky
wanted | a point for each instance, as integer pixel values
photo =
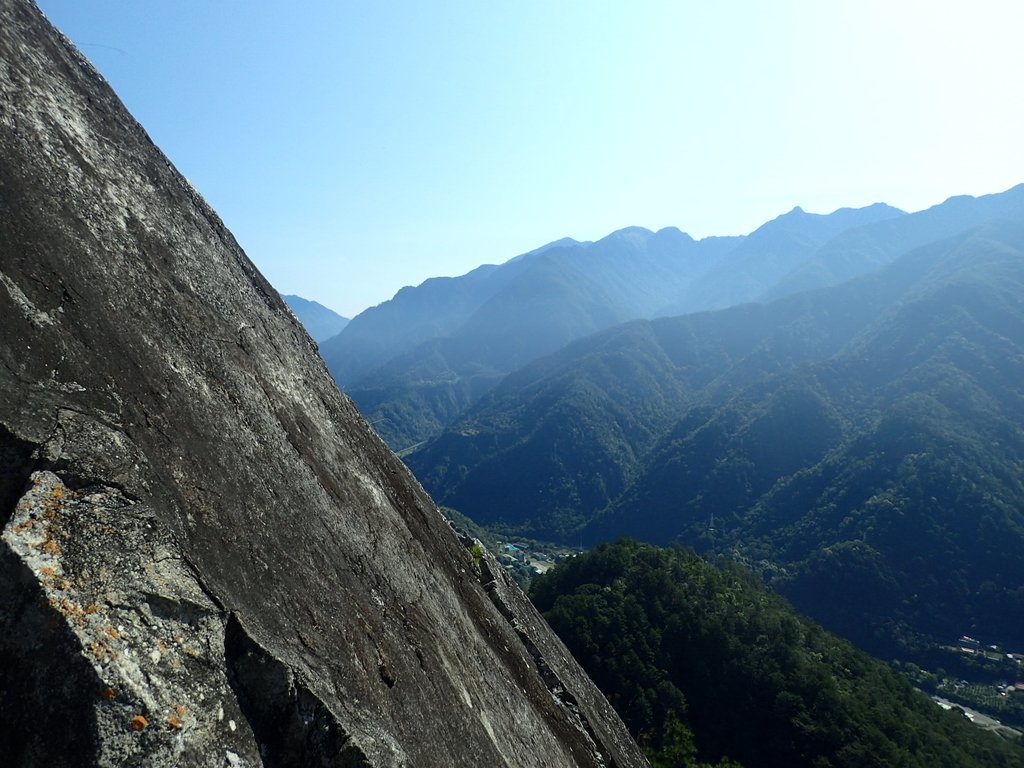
(356, 146)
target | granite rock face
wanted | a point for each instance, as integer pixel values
(207, 557)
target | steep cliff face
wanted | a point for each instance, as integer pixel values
(207, 557)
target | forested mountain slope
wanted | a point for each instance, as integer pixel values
(877, 425)
(414, 363)
(705, 664)
(890, 474)
(646, 372)
(320, 322)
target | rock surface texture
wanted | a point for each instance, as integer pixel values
(207, 557)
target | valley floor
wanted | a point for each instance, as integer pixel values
(979, 719)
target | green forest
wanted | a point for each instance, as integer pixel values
(707, 667)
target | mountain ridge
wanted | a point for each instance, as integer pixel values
(460, 342)
(533, 305)
(928, 346)
(874, 245)
(321, 322)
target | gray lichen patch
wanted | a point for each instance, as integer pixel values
(141, 621)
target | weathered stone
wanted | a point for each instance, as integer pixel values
(208, 558)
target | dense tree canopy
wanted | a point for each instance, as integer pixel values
(706, 664)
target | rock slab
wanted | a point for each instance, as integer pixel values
(207, 557)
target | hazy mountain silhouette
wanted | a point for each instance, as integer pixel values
(770, 253)
(864, 249)
(320, 322)
(415, 363)
(870, 427)
(435, 308)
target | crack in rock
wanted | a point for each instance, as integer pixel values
(292, 726)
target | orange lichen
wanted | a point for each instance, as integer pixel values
(100, 651)
(175, 722)
(47, 570)
(70, 609)
(51, 509)
(111, 632)
(179, 709)
(109, 694)
(51, 547)
(24, 525)
(139, 722)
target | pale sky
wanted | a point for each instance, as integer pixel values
(356, 146)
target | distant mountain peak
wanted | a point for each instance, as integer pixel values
(560, 243)
(635, 235)
(784, 221)
(565, 242)
(319, 321)
(631, 231)
(879, 206)
(674, 232)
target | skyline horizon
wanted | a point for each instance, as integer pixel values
(356, 148)
(649, 229)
